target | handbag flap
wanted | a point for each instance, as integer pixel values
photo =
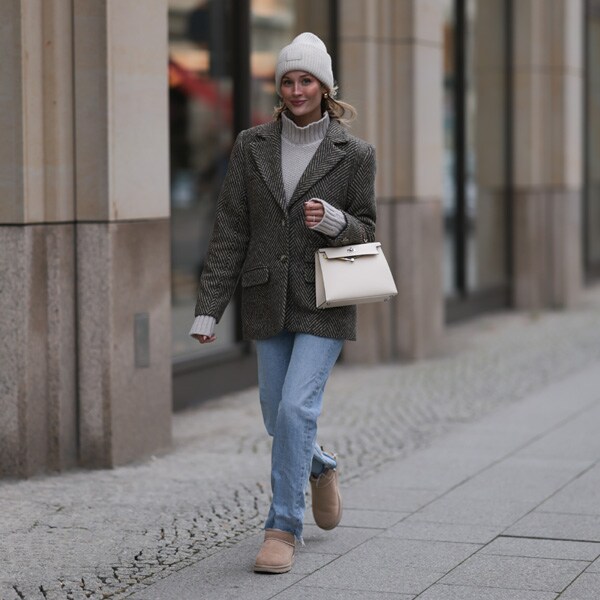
(351, 251)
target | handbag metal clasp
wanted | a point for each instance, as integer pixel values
(349, 259)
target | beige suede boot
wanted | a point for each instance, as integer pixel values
(277, 552)
(326, 499)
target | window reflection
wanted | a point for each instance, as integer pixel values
(274, 24)
(201, 128)
(200, 99)
(486, 185)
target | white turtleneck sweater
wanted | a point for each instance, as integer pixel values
(298, 146)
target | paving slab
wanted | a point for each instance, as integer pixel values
(585, 587)
(581, 496)
(495, 511)
(529, 479)
(412, 528)
(364, 518)
(594, 567)
(228, 575)
(536, 548)
(299, 592)
(380, 493)
(520, 573)
(339, 541)
(392, 565)
(559, 526)
(576, 440)
(461, 592)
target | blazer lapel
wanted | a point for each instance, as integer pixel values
(266, 151)
(328, 154)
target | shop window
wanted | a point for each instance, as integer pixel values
(201, 137)
(274, 23)
(208, 104)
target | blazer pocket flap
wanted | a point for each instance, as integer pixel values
(351, 251)
(255, 276)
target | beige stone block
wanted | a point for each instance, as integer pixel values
(488, 124)
(566, 50)
(375, 335)
(488, 35)
(428, 133)
(490, 238)
(410, 325)
(384, 112)
(37, 350)
(531, 290)
(359, 85)
(11, 140)
(531, 131)
(532, 33)
(123, 270)
(547, 249)
(120, 74)
(417, 21)
(417, 260)
(357, 18)
(418, 127)
(573, 131)
(21, 110)
(565, 127)
(428, 17)
(58, 132)
(402, 20)
(385, 29)
(91, 110)
(567, 275)
(404, 127)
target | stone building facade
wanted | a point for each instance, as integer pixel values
(116, 118)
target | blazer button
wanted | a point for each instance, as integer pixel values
(283, 258)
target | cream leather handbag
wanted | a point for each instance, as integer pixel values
(354, 274)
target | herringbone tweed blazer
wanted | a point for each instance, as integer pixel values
(262, 239)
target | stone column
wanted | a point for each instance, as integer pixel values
(122, 211)
(548, 80)
(84, 234)
(38, 402)
(490, 142)
(391, 71)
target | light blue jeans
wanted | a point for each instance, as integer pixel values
(293, 369)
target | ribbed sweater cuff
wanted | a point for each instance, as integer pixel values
(333, 221)
(203, 325)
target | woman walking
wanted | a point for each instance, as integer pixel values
(296, 184)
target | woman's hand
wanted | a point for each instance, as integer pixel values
(205, 339)
(313, 213)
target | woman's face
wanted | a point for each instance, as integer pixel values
(302, 93)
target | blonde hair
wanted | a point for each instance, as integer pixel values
(338, 110)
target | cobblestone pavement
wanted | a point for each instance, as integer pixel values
(108, 534)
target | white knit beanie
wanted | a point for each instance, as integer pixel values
(307, 53)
